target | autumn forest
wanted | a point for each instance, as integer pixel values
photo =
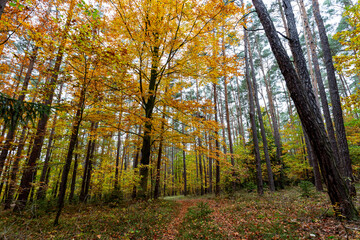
(179, 119)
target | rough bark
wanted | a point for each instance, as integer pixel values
(311, 118)
(323, 97)
(345, 163)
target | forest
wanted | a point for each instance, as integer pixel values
(179, 119)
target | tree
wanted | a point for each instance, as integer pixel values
(310, 116)
(344, 162)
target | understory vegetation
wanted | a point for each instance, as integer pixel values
(286, 214)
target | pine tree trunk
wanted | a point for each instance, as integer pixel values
(323, 97)
(311, 118)
(228, 127)
(260, 187)
(345, 162)
(274, 121)
(217, 146)
(262, 128)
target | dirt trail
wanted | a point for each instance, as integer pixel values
(219, 217)
(173, 228)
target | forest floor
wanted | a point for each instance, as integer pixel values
(284, 214)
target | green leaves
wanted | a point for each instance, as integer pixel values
(14, 111)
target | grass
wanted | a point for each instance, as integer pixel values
(286, 214)
(141, 220)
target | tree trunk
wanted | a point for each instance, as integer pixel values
(135, 164)
(228, 127)
(314, 163)
(87, 167)
(73, 141)
(43, 187)
(324, 101)
(15, 169)
(73, 177)
(260, 187)
(2, 6)
(149, 105)
(158, 164)
(217, 146)
(345, 163)
(117, 161)
(12, 130)
(275, 124)
(311, 118)
(262, 128)
(26, 179)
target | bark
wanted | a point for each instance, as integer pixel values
(314, 163)
(43, 185)
(158, 164)
(260, 187)
(12, 130)
(210, 160)
(200, 168)
(117, 161)
(345, 163)
(15, 169)
(217, 147)
(88, 163)
(73, 141)
(2, 6)
(135, 164)
(271, 107)
(184, 169)
(73, 177)
(261, 122)
(242, 132)
(26, 179)
(323, 97)
(311, 118)
(149, 105)
(228, 127)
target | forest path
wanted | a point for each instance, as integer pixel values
(173, 228)
(221, 219)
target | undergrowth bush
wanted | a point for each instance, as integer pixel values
(306, 188)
